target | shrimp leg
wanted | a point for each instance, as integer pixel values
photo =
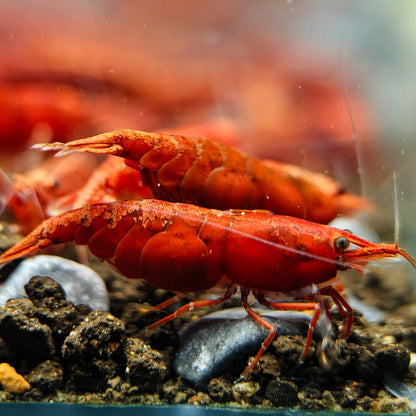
(194, 305)
(296, 306)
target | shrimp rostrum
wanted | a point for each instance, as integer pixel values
(185, 248)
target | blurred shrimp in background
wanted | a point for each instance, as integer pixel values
(279, 75)
(152, 65)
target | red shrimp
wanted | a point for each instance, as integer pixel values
(28, 196)
(185, 248)
(205, 173)
(112, 180)
(28, 105)
(33, 111)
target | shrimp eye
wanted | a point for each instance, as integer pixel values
(341, 243)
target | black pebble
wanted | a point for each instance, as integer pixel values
(282, 393)
(47, 376)
(26, 337)
(93, 351)
(146, 366)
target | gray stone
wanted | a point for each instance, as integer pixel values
(222, 342)
(81, 284)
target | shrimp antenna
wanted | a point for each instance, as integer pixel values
(395, 211)
(353, 126)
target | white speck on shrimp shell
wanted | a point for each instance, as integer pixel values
(81, 284)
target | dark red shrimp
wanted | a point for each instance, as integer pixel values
(28, 196)
(185, 248)
(112, 180)
(205, 173)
